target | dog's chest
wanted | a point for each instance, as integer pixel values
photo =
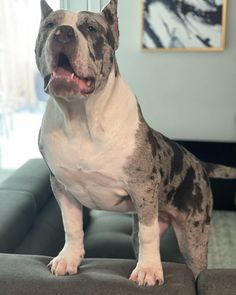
(91, 170)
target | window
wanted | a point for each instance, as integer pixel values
(22, 99)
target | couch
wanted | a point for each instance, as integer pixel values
(31, 232)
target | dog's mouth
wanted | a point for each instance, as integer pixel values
(64, 80)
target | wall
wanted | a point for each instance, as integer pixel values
(183, 95)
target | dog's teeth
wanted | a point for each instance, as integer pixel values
(49, 82)
(72, 76)
(46, 88)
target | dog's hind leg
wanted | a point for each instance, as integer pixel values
(194, 247)
(192, 235)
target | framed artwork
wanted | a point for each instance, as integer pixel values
(184, 25)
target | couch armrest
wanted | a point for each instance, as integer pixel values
(32, 178)
(217, 282)
(27, 275)
(17, 213)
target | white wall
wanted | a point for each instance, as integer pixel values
(183, 95)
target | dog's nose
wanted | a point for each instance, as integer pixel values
(64, 34)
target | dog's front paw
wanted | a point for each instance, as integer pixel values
(65, 264)
(147, 275)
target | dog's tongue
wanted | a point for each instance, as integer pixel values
(62, 72)
(85, 85)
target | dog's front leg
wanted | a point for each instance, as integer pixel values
(70, 257)
(149, 268)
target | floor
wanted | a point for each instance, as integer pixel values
(222, 242)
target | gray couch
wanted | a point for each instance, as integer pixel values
(31, 232)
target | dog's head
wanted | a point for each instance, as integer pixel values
(75, 52)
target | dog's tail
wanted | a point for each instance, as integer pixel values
(219, 171)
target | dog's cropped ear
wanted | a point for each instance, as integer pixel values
(45, 9)
(110, 14)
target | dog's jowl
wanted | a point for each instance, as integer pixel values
(102, 154)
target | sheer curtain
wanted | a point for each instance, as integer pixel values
(22, 99)
(18, 29)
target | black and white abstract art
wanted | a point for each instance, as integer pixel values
(184, 24)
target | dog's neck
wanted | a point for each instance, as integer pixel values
(102, 114)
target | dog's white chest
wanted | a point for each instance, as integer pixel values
(91, 171)
(90, 161)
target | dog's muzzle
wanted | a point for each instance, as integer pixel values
(64, 80)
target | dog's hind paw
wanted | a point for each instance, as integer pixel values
(147, 275)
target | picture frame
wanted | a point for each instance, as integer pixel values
(184, 25)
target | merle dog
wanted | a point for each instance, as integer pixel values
(102, 154)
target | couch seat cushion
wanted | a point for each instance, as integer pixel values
(27, 275)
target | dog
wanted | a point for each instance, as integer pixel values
(102, 154)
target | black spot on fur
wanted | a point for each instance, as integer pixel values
(197, 199)
(98, 48)
(110, 39)
(208, 215)
(177, 161)
(169, 152)
(188, 197)
(111, 59)
(154, 170)
(196, 223)
(97, 36)
(177, 158)
(206, 178)
(161, 173)
(166, 181)
(149, 190)
(170, 195)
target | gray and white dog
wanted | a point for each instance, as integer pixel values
(102, 154)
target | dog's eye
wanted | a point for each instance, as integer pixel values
(91, 29)
(49, 25)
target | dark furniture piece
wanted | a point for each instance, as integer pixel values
(31, 232)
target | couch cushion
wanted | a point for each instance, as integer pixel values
(27, 275)
(109, 235)
(217, 282)
(169, 247)
(33, 178)
(46, 236)
(17, 213)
